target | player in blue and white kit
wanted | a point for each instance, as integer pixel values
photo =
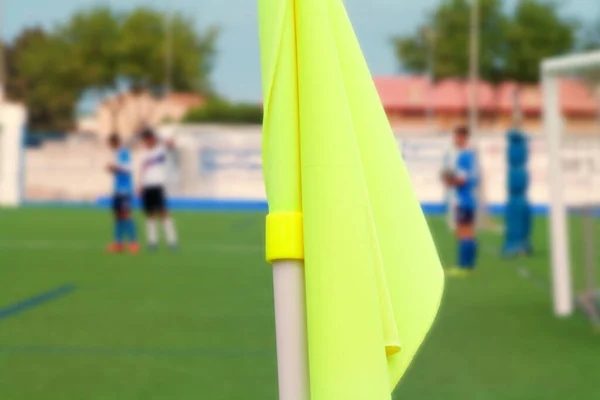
(153, 178)
(464, 180)
(121, 169)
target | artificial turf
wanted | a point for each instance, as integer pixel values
(198, 323)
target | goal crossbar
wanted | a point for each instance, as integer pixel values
(569, 63)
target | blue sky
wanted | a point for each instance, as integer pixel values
(237, 72)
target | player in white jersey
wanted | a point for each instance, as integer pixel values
(153, 178)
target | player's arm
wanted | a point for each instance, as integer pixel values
(460, 179)
(141, 177)
(467, 173)
(453, 179)
(122, 164)
(447, 176)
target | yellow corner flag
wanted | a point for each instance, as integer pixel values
(341, 200)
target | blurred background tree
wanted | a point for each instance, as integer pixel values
(450, 24)
(218, 110)
(148, 35)
(42, 75)
(93, 38)
(102, 51)
(536, 31)
(513, 42)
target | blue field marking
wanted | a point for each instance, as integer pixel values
(35, 301)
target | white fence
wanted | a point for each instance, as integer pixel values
(12, 124)
(224, 163)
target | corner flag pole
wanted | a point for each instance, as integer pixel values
(282, 168)
(290, 325)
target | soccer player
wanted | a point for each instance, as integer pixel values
(153, 178)
(448, 165)
(121, 169)
(464, 179)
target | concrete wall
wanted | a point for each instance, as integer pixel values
(224, 163)
(12, 127)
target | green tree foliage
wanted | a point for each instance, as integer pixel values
(448, 38)
(512, 43)
(537, 31)
(221, 111)
(143, 47)
(39, 76)
(100, 50)
(93, 38)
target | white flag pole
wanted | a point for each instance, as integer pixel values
(290, 321)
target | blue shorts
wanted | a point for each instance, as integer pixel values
(465, 216)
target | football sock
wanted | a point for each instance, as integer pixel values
(467, 253)
(119, 231)
(130, 230)
(170, 232)
(152, 232)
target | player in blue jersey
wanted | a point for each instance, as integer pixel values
(463, 178)
(121, 169)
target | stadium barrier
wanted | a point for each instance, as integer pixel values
(220, 167)
(12, 126)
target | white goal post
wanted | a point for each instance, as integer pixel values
(551, 71)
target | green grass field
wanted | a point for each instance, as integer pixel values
(198, 324)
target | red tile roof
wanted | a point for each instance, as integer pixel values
(577, 98)
(186, 99)
(402, 93)
(411, 94)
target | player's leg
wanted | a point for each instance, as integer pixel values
(119, 229)
(149, 206)
(168, 223)
(152, 231)
(129, 225)
(170, 230)
(467, 242)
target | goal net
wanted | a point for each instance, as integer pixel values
(571, 90)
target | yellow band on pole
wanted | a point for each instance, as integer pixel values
(285, 236)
